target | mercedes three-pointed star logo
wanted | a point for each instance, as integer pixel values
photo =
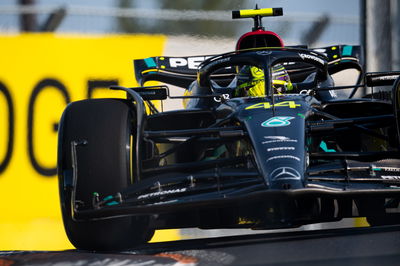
(284, 173)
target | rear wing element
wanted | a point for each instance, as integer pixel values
(343, 57)
(340, 57)
(182, 71)
(178, 71)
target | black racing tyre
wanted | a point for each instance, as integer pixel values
(104, 167)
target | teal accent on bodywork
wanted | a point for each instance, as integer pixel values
(108, 198)
(112, 203)
(324, 147)
(347, 50)
(301, 115)
(150, 62)
(217, 153)
(377, 169)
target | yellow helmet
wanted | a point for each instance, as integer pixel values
(251, 80)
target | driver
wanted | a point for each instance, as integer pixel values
(250, 79)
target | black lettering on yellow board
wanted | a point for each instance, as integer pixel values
(47, 83)
(10, 144)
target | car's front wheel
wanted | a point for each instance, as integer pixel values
(104, 167)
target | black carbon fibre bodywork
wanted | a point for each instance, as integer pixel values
(278, 160)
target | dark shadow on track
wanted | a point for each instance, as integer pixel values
(349, 246)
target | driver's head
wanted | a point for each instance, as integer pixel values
(252, 83)
(251, 79)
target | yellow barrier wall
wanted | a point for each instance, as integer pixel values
(39, 75)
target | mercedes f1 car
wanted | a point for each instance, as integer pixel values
(308, 154)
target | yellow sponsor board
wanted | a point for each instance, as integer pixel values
(39, 75)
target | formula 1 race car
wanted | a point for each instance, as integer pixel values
(301, 151)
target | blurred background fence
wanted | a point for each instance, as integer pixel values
(372, 23)
(309, 22)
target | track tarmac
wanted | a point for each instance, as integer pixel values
(345, 246)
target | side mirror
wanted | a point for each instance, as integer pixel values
(149, 93)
